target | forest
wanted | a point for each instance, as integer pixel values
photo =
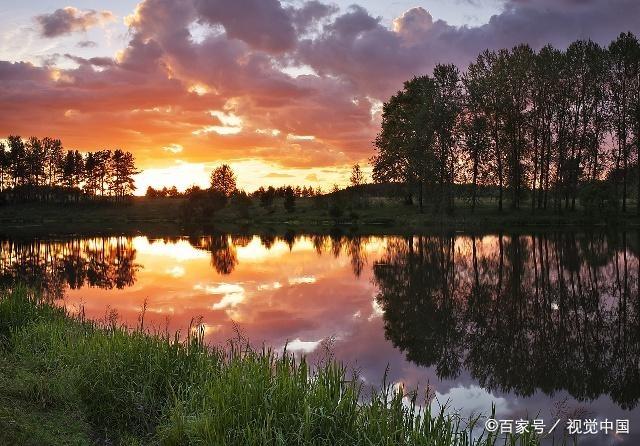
(548, 129)
(41, 170)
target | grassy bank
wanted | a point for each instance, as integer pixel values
(67, 381)
(141, 215)
(377, 216)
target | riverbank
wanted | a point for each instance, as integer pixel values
(377, 216)
(68, 381)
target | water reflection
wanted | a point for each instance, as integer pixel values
(52, 266)
(223, 248)
(496, 316)
(522, 313)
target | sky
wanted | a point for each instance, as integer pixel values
(286, 91)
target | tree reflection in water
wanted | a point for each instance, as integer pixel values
(224, 256)
(51, 266)
(519, 313)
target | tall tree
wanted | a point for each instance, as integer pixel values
(635, 120)
(586, 62)
(104, 169)
(484, 87)
(53, 153)
(17, 161)
(623, 67)
(477, 145)
(448, 106)
(517, 82)
(4, 166)
(91, 174)
(405, 143)
(35, 162)
(72, 169)
(545, 92)
(124, 169)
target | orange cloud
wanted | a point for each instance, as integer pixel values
(291, 87)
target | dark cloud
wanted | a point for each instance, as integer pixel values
(357, 20)
(68, 20)
(310, 13)
(263, 24)
(21, 72)
(86, 44)
(95, 61)
(358, 48)
(151, 94)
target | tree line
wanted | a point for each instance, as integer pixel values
(201, 204)
(42, 170)
(542, 129)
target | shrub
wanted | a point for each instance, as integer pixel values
(201, 205)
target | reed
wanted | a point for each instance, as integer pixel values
(132, 387)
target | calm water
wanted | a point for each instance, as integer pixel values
(541, 325)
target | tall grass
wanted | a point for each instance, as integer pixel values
(137, 388)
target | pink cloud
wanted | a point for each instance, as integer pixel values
(68, 20)
(162, 88)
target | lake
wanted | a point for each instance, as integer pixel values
(541, 325)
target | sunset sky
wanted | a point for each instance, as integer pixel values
(287, 92)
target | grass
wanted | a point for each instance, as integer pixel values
(380, 215)
(142, 215)
(68, 381)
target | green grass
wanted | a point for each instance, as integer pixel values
(37, 409)
(142, 215)
(64, 380)
(377, 215)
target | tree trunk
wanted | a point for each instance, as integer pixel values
(475, 181)
(638, 179)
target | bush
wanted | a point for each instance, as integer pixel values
(597, 196)
(201, 205)
(242, 202)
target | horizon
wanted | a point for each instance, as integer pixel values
(292, 99)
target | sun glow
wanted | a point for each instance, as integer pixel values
(182, 175)
(251, 174)
(199, 89)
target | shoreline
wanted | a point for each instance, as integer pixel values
(161, 216)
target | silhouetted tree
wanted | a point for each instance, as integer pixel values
(289, 200)
(531, 125)
(624, 56)
(357, 178)
(267, 196)
(124, 169)
(40, 169)
(477, 145)
(53, 154)
(405, 144)
(17, 161)
(223, 180)
(4, 166)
